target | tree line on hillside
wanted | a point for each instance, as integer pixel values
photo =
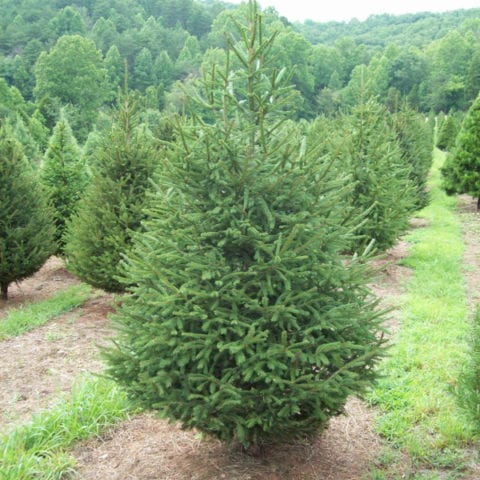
(70, 57)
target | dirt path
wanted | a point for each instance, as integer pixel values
(51, 278)
(470, 218)
(38, 366)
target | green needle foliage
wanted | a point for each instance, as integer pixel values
(63, 175)
(26, 225)
(448, 133)
(462, 168)
(415, 138)
(381, 177)
(100, 232)
(245, 321)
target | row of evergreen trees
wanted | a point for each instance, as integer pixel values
(243, 243)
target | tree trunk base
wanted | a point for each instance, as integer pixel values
(4, 291)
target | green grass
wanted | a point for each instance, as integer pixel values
(39, 449)
(22, 319)
(416, 396)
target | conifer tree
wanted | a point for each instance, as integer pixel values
(448, 133)
(245, 320)
(383, 186)
(64, 176)
(144, 75)
(100, 232)
(26, 227)
(415, 139)
(461, 170)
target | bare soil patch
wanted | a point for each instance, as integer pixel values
(391, 277)
(147, 448)
(470, 217)
(51, 278)
(41, 364)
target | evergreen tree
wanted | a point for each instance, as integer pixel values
(144, 75)
(26, 228)
(164, 69)
(115, 67)
(448, 133)
(68, 21)
(473, 78)
(245, 319)
(189, 59)
(372, 155)
(64, 176)
(415, 138)
(100, 232)
(462, 168)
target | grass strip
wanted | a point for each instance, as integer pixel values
(38, 449)
(20, 320)
(416, 395)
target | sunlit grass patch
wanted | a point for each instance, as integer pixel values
(20, 320)
(38, 449)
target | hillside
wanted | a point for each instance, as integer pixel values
(379, 31)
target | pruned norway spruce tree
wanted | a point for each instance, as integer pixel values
(100, 232)
(461, 171)
(26, 219)
(245, 321)
(64, 176)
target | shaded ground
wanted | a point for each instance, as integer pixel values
(51, 278)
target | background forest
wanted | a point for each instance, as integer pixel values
(58, 55)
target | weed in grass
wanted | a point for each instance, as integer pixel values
(36, 450)
(25, 318)
(53, 336)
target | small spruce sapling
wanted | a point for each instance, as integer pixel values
(64, 176)
(461, 170)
